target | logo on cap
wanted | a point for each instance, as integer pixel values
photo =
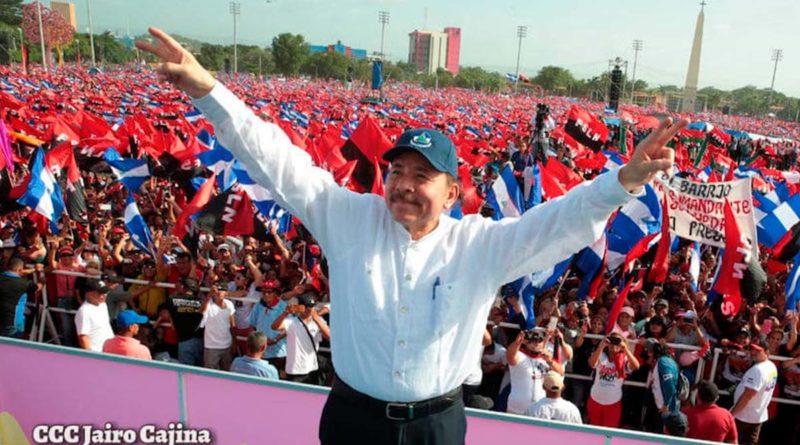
(422, 140)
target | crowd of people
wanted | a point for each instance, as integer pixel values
(257, 304)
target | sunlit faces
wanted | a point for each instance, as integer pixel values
(417, 193)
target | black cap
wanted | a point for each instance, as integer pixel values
(307, 300)
(99, 286)
(676, 424)
(437, 148)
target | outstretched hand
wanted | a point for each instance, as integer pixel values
(178, 66)
(651, 156)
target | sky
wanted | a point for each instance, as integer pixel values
(580, 35)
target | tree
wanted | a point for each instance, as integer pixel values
(11, 12)
(328, 65)
(56, 30)
(110, 50)
(554, 78)
(289, 52)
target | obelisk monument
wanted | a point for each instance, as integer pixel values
(690, 89)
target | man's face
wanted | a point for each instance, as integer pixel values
(183, 265)
(416, 193)
(95, 297)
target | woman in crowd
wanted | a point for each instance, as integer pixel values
(611, 361)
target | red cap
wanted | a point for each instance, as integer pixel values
(756, 347)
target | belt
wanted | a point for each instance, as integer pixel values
(402, 411)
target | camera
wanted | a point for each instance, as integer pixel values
(614, 340)
(534, 336)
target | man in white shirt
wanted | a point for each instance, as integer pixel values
(410, 289)
(553, 407)
(218, 321)
(91, 320)
(304, 330)
(752, 396)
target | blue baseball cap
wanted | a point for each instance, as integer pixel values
(437, 148)
(129, 317)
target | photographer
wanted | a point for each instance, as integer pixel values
(612, 361)
(529, 362)
(304, 330)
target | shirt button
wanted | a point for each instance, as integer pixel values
(401, 343)
(403, 309)
(398, 374)
(408, 277)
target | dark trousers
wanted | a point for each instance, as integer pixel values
(347, 423)
(748, 432)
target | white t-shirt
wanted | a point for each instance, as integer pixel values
(217, 321)
(555, 409)
(762, 378)
(92, 321)
(527, 377)
(301, 354)
(607, 386)
(244, 308)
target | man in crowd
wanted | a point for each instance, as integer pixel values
(707, 421)
(753, 395)
(252, 363)
(184, 308)
(664, 382)
(91, 320)
(125, 342)
(14, 292)
(304, 330)
(218, 323)
(389, 256)
(553, 407)
(265, 312)
(150, 296)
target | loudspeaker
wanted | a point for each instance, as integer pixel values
(615, 89)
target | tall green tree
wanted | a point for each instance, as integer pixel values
(11, 12)
(554, 78)
(289, 52)
(328, 65)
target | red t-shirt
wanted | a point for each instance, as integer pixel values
(711, 423)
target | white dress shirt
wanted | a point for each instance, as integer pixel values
(396, 334)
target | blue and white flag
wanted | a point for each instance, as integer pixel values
(635, 220)
(613, 162)
(262, 199)
(704, 174)
(217, 158)
(43, 194)
(193, 116)
(528, 286)
(590, 263)
(793, 286)
(131, 172)
(137, 227)
(532, 186)
(694, 265)
(511, 77)
(505, 196)
(773, 224)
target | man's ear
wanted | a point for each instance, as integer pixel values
(453, 193)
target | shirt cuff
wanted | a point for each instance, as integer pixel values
(612, 191)
(212, 105)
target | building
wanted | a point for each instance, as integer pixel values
(352, 53)
(66, 10)
(453, 49)
(431, 50)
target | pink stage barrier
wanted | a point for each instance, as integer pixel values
(43, 384)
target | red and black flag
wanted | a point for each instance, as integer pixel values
(231, 214)
(586, 129)
(367, 142)
(62, 159)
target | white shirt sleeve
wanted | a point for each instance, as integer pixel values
(272, 161)
(83, 324)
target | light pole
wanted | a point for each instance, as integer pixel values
(637, 46)
(522, 32)
(236, 9)
(383, 19)
(777, 56)
(91, 30)
(41, 34)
